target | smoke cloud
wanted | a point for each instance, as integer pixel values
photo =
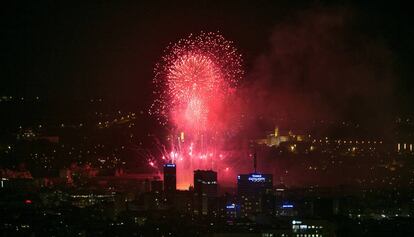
(321, 64)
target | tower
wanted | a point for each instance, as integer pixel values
(170, 178)
(252, 189)
(205, 191)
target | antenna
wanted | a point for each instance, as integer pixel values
(255, 162)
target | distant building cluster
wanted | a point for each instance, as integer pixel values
(146, 203)
(305, 143)
(90, 175)
(277, 138)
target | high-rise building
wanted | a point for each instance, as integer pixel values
(252, 190)
(205, 191)
(205, 182)
(251, 184)
(170, 178)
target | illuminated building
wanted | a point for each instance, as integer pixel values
(205, 190)
(3, 182)
(86, 199)
(250, 184)
(286, 209)
(276, 138)
(251, 189)
(405, 148)
(231, 211)
(170, 178)
(312, 228)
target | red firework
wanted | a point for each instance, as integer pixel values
(201, 68)
(193, 81)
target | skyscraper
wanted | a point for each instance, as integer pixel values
(253, 184)
(170, 178)
(252, 189)
(205, 191)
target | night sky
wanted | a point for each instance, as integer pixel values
(68, 51)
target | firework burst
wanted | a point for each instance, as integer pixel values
(192, 83)
(205, 66)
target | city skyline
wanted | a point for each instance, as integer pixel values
(207, 118)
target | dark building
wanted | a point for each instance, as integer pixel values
(170, 178)
(205, 191)
(253, 191)
(205, 182)
(156, 186)
(183, 201)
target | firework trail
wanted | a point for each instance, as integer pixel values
(193, 83)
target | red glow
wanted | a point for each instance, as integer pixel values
(28, 201)
(193, 83)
